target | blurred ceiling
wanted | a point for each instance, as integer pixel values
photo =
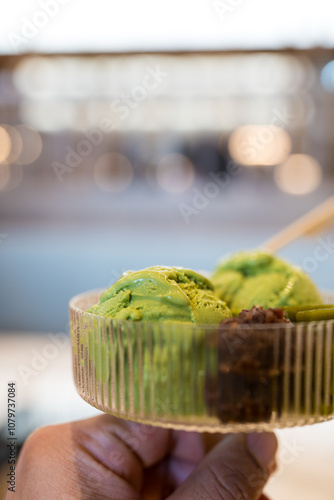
(102, 25)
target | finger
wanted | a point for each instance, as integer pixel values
(188, 446)
(126, 448)
(189, 449)
(148, 446)
(151, 444)
(236, 469)
(147, 443)
(168, 456)
(180, 450)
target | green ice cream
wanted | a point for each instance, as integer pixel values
(162, 294)
(259, 278)
(159, 353)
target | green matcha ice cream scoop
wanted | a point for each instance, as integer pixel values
(258, 278)
(162, 294)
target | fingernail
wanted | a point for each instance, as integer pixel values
(263, 447)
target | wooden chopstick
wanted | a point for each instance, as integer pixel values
(311, 222)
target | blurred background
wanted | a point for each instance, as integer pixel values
(137, 134)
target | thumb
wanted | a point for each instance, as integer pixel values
(236, 469)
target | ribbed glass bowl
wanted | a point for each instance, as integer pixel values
(204, 378)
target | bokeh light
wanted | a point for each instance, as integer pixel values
(37, 77)
(31, 144)
(5, 144)
(299, 174)
(259, 145)
(113, 172)
(16, 144)
(50, 115)
(175, 173)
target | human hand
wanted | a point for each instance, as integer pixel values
(109, 458)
